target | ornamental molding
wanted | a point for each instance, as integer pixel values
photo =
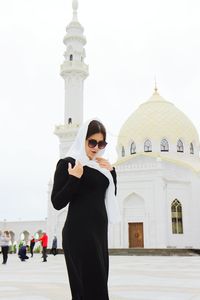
(70, 67)
(66, 131)
(72, 37)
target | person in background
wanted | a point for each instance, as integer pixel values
(44, 240)
(4, 242)
(32, 244)
(54, 246)
(22, 253)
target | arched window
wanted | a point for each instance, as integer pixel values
(12, 235)
(191, 148)
(177, 220)
(123, 151)
(71, 57)
(147, 146)
(69, 121)
(164, 145)
(180, 146)
(133, 148)
(24, 236)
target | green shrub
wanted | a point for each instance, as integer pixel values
(38, 249)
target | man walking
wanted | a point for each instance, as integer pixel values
(54, 246)
(32, 244)
(44, 241)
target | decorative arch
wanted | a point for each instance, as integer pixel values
(12, 236)
(164, 145)
(134, 217)
(180, 147)
(24, 236)
(177, 218)
(38, 233)
(133, 200)
(147, 146)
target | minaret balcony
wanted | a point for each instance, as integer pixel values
(71, 37)
(74, 66)
(67, 130)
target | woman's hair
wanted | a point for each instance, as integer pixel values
(96, 127)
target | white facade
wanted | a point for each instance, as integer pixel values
(146, 189)
(158, 165)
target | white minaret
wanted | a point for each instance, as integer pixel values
(74, 71)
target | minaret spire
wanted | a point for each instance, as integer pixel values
(155, 88)
(74, 71)
(75, 8)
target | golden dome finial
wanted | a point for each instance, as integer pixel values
(155, 88)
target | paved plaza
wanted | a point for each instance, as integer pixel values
(131, 278)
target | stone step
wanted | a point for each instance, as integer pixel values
(154, 252)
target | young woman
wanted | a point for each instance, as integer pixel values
(87, 182)
(4, 243)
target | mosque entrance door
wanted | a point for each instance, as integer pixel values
(136, 236)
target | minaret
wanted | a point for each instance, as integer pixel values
(74, 71)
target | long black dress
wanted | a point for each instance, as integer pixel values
(85, 231)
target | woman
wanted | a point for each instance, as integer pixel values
(87, 182)
(5, 241)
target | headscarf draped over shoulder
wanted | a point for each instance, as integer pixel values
(77, 151)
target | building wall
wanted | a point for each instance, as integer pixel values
(146, 189)
(19, 227)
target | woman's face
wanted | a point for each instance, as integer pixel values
(91, 152)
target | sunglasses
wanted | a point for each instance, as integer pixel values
(92, 144)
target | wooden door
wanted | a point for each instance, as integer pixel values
(136, 236)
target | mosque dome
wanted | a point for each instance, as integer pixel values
(162, 126)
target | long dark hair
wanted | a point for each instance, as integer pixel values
(96, 127)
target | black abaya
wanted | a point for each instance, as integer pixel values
(85, 231)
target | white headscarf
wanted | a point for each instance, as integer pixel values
(77, 151)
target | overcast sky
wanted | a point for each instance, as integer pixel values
(128, 43)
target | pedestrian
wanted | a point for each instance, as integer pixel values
(5, 242)
(54, 246)
(44, 241)
(87, 182)
(32, 244)
(22, 252)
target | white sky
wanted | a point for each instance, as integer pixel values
(128, 43)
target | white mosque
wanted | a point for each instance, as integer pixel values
(158, 165)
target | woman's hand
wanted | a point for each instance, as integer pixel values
(104, 163)
(77, 170)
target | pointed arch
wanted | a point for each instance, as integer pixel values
(164, 145)
(147, 146)
(24, 236)
(177, 218)
(180, 147)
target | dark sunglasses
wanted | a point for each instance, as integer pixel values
(101, 144)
